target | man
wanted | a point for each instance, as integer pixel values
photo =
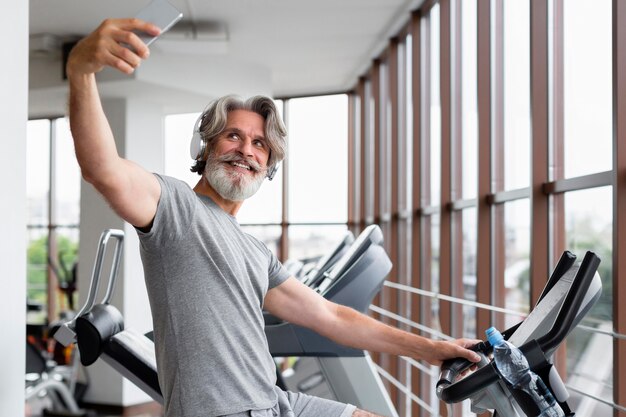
(207, 280)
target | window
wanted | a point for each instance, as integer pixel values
(317, 159)
(515, 93)
(53, 192)
(523, 188)
(587, 87)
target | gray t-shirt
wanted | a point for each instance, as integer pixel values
(206, 281)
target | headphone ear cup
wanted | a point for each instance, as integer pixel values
(197, 145)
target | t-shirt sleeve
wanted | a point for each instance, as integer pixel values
(277, 272)
(174, 215)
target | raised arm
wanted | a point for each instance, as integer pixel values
(298, 304)
(130, 190)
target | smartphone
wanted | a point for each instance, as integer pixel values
(160, 13)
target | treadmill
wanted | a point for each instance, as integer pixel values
(325, 368)
(568, 296)
(316, 274)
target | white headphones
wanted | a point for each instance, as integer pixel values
(198, 145)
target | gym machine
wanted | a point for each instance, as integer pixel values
(569, 294)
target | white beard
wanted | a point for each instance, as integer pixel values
(229, 184)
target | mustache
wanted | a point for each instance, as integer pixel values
(234, 157)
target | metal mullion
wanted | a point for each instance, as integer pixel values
(507, 196)
(359, 201)
(284, 235)
(600, 179)
(459, 300)
(456, 149)
(363, 154)
(395, 119)
(375, 123)
(445, 228)
(498, 180)
(457, 205)
(352, 138)
(558, 131)
(400, 217)
(417, 226)
(619, 202)
(484, 256)
(425, 117)
(52, 279)
(539, 201)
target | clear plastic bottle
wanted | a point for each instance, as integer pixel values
(514, 367)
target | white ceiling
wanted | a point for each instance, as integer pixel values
(291, 47)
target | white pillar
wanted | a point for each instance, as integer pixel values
(13, 117)
(138, 129)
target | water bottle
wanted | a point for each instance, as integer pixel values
(514, 368)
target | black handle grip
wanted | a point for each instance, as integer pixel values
(451, 368)
(461, 390)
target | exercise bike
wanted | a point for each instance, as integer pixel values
(569, 294)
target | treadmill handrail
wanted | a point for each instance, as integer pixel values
(66, 333)
(371, 235)
(326, 262)
(97, 269)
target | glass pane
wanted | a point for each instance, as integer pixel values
(587, 373)
(36, 275)
(269, 235)
(370, 114)
(67, 204)
(409, 122)
(65, 267)
(306, 242)
(516, 75)
(517, 259)
(469, 99)
(589, 226)
(435, 221)
(37, 171)
(587, 86)
(435, 110)
(318, 152)
(384, 154)
(469, 270)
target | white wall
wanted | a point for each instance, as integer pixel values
(13, 116)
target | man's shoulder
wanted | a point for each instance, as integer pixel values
(174, 185)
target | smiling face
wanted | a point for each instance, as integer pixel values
(237, 164)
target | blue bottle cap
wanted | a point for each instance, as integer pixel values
(494, 336)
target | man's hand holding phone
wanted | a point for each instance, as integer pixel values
(122, 43)
(115, 44)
